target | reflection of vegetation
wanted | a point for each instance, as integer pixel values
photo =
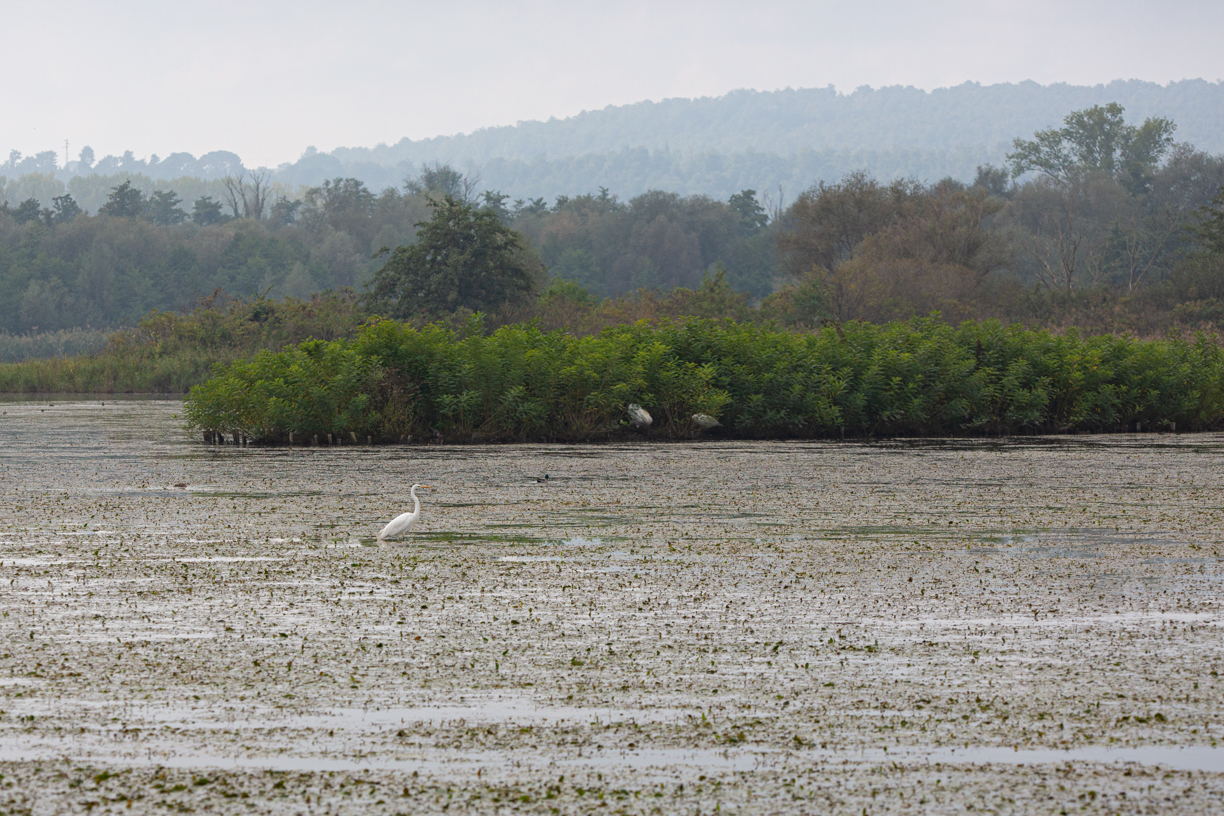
(920, 377)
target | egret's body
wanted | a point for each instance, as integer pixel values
(639, 417)
(401, 523)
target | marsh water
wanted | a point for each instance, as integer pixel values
(927, 625)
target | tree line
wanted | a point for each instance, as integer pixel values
(1097, 223)
(61, 268)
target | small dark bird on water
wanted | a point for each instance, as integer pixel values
(544, 480)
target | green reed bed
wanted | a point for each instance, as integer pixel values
(15, 348)
(919, 377)
(169, 353)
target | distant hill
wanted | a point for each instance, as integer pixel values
(766, 139)
(777, 142)
(789, 121)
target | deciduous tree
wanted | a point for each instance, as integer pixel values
(1096, 139)
(64, 209)
(124, 201)
(162, 208)
(464, 257)
(207, 212)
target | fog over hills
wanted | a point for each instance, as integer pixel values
(767, 141)
(788, 121)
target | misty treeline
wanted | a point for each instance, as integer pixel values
(1105, 232)
(1099, 223)
(60, 267)
(712, 145)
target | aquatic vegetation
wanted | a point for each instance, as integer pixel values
(921, 377)
(962, 621)
(797, 624)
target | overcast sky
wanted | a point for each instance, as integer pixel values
(266, 79)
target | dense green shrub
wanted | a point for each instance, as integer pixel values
(919, 377)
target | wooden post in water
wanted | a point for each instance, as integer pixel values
(329, 439)
(314, 440)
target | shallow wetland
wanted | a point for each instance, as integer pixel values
(1024, 625)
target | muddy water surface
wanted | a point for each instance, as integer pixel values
(925, 626)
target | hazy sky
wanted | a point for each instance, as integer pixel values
(266, 79)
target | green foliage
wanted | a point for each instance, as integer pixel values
(517, 383)
(1210, 229)
(1096, 139)
(65, 209)
(26, 212)
(657, 240)
(167, 352)
(440, 180)
(560, 289)
(714, 298)
(753, 217)
(463, 258)
(207, 212)
(315, 387)
(124, 201)
(829, 221)
(919, 377)
(162, 208)
(342, 204)
(855, 249)
(62, 343)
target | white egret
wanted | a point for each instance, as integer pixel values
(638, 416)
(400, 524)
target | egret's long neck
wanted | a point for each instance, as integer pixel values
(416, 503)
